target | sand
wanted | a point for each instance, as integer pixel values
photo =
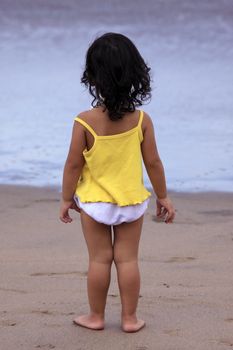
(186, 295)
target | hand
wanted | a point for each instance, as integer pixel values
(64, 210)
(165, 210)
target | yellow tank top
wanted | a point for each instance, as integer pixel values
(112, 171)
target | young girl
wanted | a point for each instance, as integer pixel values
(103, 177)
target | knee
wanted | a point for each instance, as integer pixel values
(109, 256)
(105, 257)
(119, 257)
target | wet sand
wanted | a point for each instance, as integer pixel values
(186, 295)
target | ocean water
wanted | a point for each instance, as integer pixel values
(187, 44)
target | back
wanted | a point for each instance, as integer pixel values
(104, 126)
(113, 166)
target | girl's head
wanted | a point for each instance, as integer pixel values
(116, 75)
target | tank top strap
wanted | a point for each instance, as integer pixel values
(87, 126)
(140, 118)
(140, 125)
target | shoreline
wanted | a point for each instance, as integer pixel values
(57, 189)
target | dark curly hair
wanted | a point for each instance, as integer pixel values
(116, 75)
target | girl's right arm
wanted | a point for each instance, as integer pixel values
(155, 171)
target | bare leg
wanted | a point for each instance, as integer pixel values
(99, 244)
(126, 242)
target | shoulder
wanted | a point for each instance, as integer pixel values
(84, 115)
(88, 116)
(146, 122)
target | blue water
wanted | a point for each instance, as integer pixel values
(189, 48)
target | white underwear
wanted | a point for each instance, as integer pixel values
(112, 214)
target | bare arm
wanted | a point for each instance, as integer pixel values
(152, 161)
(72, 171)
(155, 170)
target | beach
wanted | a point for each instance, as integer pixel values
(186, 295)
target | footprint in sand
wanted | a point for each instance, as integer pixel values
(13, 290)
(79, 273)
(44, 312)
(47, 200)
(170, 299)
(47, 312)
(6, 323)
(47, 346)
(229, 319)
(117, 295)
(223, 212)
(180, 259)
(113, 295)
(166, 285)
(226, 342)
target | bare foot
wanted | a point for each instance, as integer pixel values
(133, 326)
(89, 321)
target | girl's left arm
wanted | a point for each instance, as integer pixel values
(72, 171)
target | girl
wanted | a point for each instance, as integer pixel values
(103, 178)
